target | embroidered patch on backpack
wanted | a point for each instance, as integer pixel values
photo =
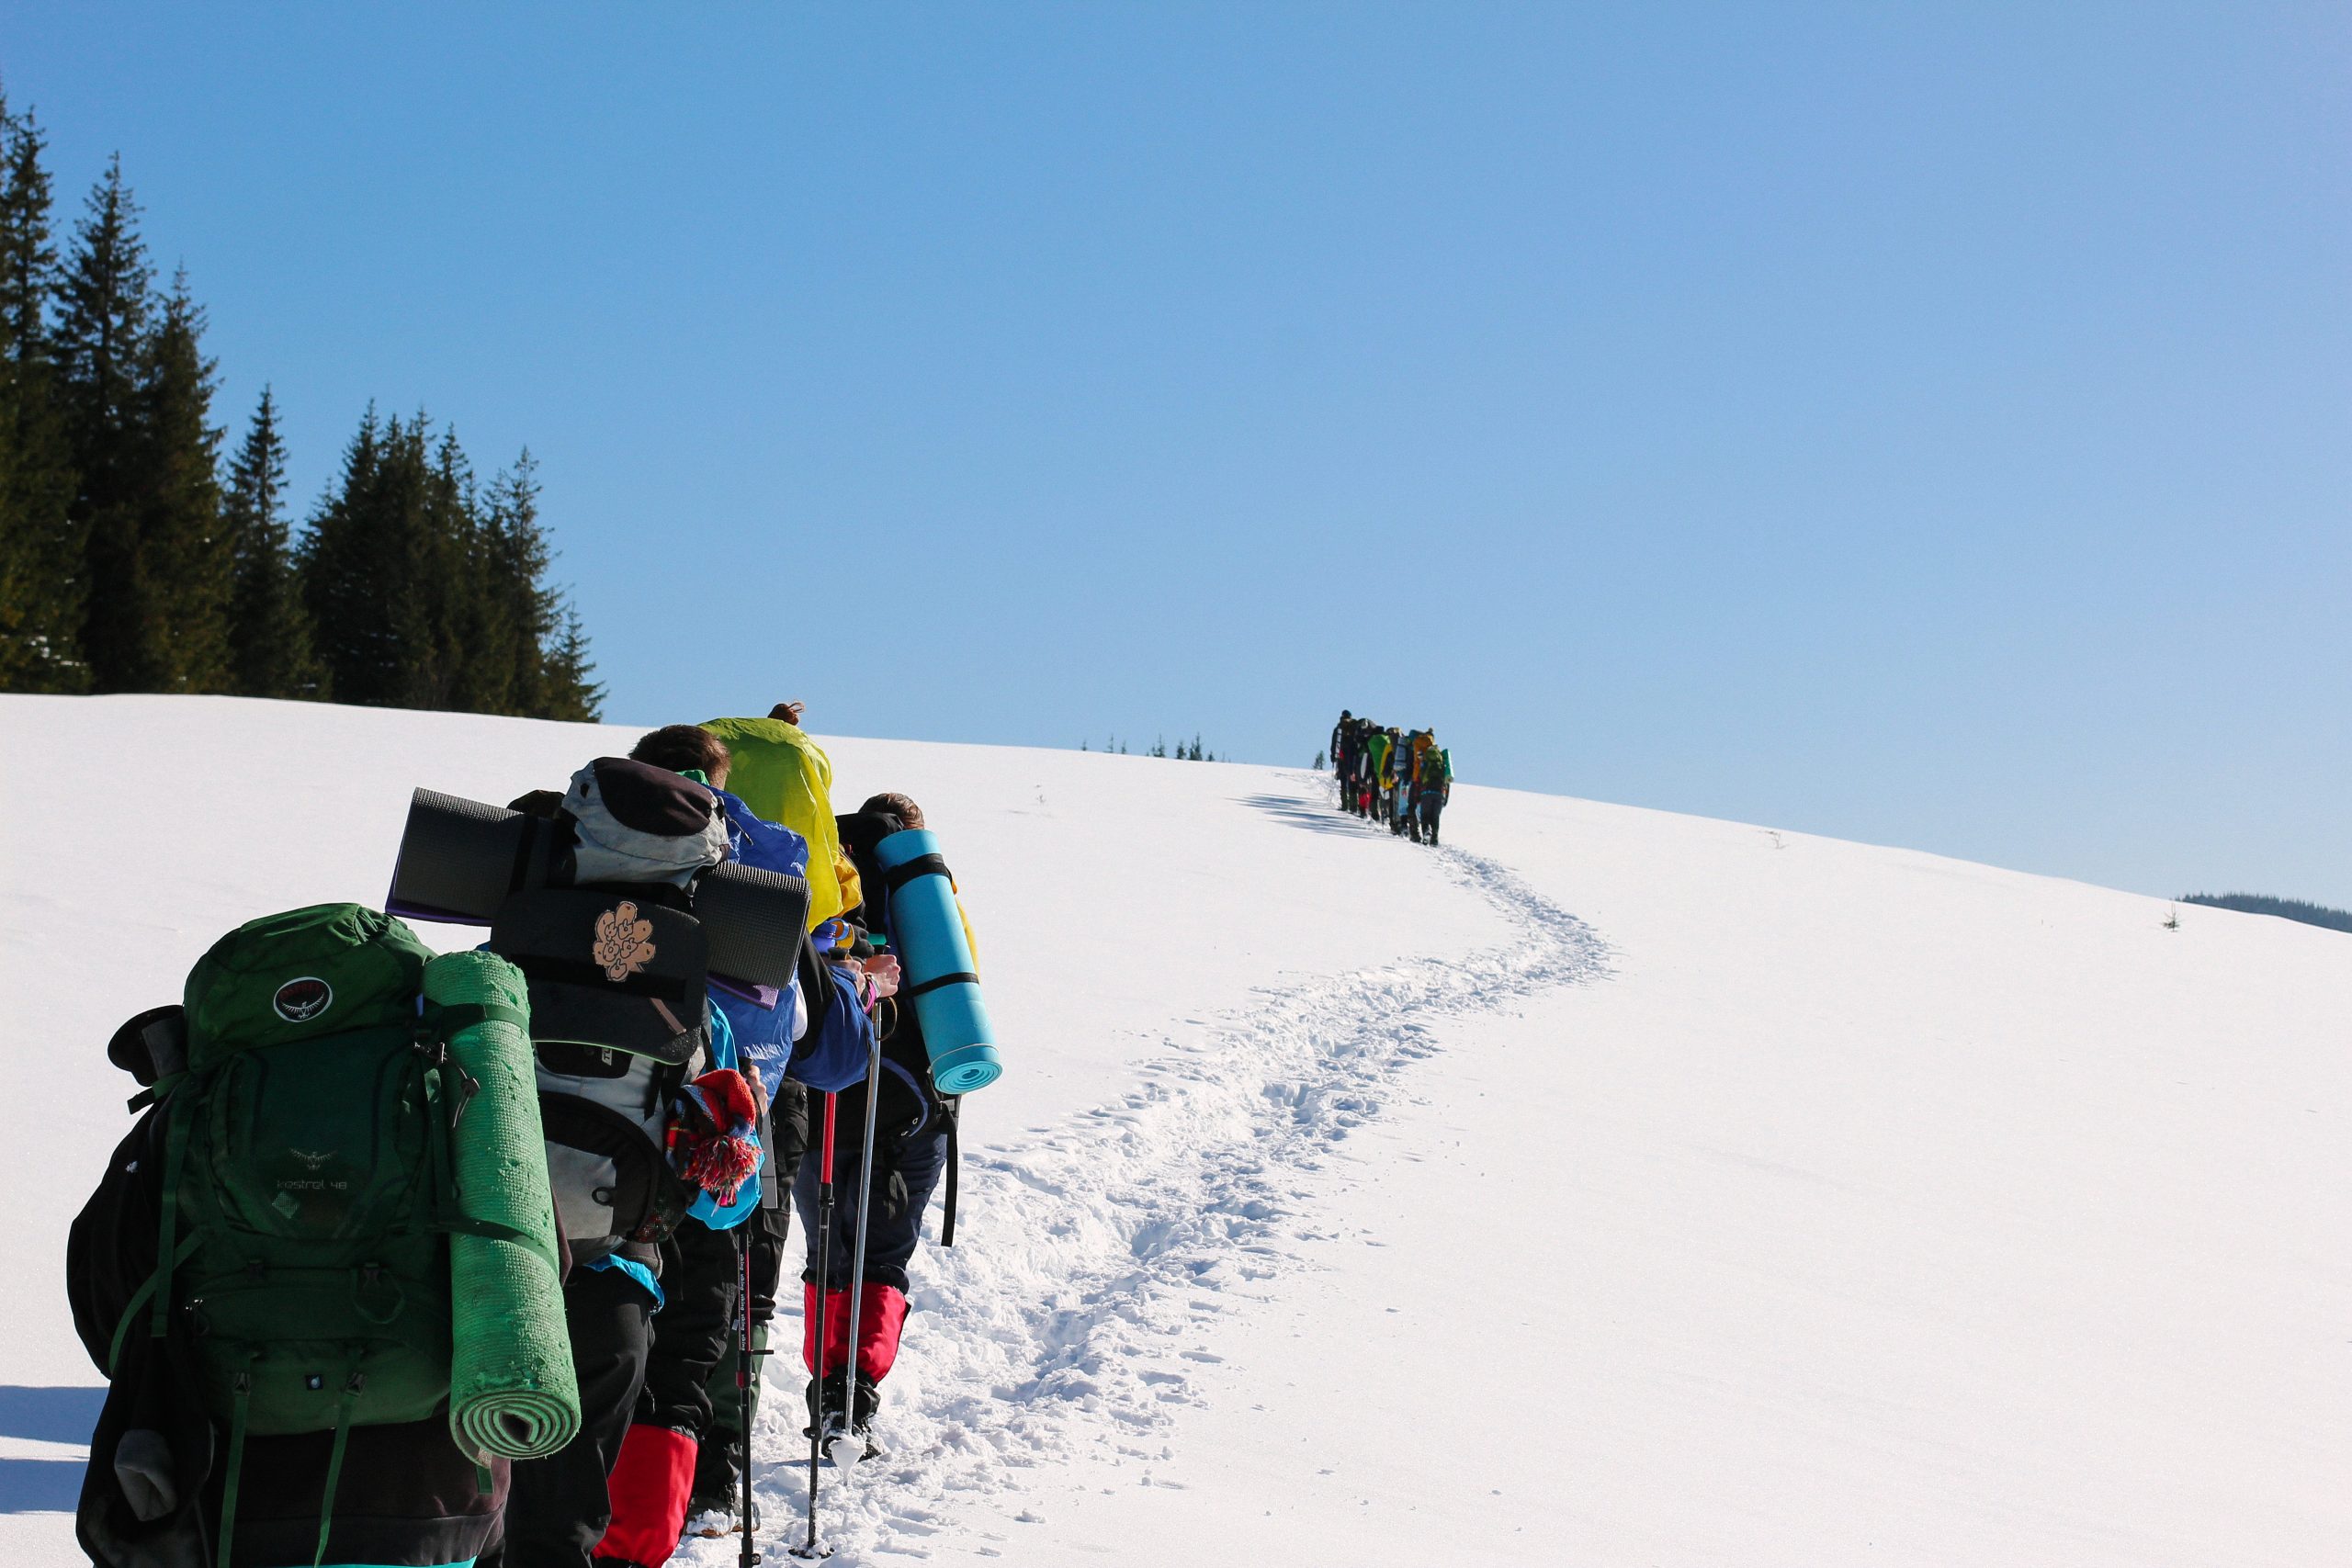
(298, 1002)
(624, 943)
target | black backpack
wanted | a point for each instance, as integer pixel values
(620, 1018)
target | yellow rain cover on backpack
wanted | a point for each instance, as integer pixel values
(786, 777)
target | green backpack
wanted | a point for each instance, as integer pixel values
(304, 1245)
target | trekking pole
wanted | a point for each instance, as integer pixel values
(809, 1548)
(743, 1365)
(865, 1223)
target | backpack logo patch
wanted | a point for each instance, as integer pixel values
(298, 1002)
(624, 943)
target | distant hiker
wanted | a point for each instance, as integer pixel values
(1408, 820)
(914, 1148)
(1400, 761)
(1342, 738)
(1376, 747)
(264, 1271)
(1433, 787)
(653, 1136)
(1351, 766)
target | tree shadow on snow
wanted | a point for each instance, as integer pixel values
(1314, 816)
(48, 1416)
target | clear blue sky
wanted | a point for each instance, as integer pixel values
(1929, 424)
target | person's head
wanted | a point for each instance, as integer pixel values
(788, 712)
(682, 747)
(899, 806)
(1345, 715)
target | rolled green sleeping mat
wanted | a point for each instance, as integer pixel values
(511, 1387)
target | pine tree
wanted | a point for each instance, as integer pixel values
(104, 324)
(570, 694)
(549, 644)
(186, 552)
(345, 572)
(42, 588)
(269, 626)
(519, 559)
(450, 599)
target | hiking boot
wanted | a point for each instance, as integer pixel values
(870, 1399)
(710, 1518)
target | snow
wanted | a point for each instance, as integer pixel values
(1610, 1187)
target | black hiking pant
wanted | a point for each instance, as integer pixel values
(716, 1479)
(557, 1506)
(698, 1283)
(1431, 804)
(906, 1173)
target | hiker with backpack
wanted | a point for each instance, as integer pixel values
(1433, 787)
(1400, 780)
(814, 1033)
(913, 1147)
(1416, 749)
(779, 774)
(652, 1137)
(1375, 789)
(322, 1272)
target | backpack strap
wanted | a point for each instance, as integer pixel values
(168, 1255)
(161, 1089)
(439, 1023)
(953, 1104)
(139, 1299)
(450, 1018)
(354, 1380)
(239, 1409)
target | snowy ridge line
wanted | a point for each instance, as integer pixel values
(1063, 1326)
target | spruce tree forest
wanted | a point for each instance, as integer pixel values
(138, 554)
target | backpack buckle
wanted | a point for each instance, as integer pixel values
(377, 1297)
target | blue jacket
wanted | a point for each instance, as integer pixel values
(831, 1051)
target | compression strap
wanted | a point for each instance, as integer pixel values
(960, 977)
(932, 864)
(459, 1016)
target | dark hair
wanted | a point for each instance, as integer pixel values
(908, 813)
(679, 747)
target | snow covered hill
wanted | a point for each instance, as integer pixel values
(1608, 1188)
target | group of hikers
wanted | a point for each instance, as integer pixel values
(266, 1273)
(1401, 777)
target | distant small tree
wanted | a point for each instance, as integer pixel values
(2286, 908)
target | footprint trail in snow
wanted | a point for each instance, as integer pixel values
(1135, 1224)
